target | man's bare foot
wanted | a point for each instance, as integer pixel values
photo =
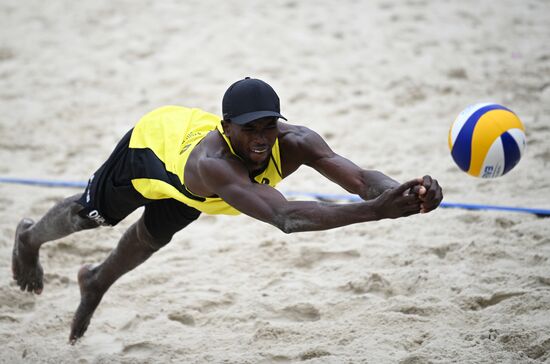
(90, 296)
(25, 265)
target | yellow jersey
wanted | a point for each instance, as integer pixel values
(160, 145)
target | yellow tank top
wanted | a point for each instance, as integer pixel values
(160, 145)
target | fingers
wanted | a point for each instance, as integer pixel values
(425, 186)
(409, 210)
(419, 195)
(433, 197)
(410, 200)
(409, 204)
(415, 190)
(428, 191)
(427, 181)
(407, 185)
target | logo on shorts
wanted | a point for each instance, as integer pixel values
(88, 188)
(94, 215)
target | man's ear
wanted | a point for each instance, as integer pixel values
(226, 125)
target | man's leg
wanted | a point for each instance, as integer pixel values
(134, 248)
(158, 224)
(61, 220)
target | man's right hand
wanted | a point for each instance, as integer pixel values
(397, 202)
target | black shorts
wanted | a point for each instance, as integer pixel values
(109, 197)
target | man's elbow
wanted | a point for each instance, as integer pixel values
(285, 227)
(285, 224)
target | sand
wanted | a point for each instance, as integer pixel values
(382, 81)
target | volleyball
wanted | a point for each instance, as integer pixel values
(487, 140)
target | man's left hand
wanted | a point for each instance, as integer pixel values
(430, 193)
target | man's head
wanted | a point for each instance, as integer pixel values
(248, 100)
(250, 112)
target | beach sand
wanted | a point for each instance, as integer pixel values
(381, 81)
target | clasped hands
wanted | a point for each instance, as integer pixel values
(429, 192)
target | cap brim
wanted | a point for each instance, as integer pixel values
(251, 116)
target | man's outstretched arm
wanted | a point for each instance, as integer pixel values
(230, 181)
(368, 184)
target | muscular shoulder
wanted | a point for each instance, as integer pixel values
(301, 145)
(294, 134)
(211, 160)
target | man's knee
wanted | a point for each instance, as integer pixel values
(158, 243)
(80, 222)
(164, 218)
(152, 241)
(83, 223)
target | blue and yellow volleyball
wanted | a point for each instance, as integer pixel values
(487, 140)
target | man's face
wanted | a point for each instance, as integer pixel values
(253, 141)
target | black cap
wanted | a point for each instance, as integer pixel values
(250, 99)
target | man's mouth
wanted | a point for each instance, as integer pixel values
(259, 150)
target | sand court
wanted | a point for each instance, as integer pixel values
(382, 82)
